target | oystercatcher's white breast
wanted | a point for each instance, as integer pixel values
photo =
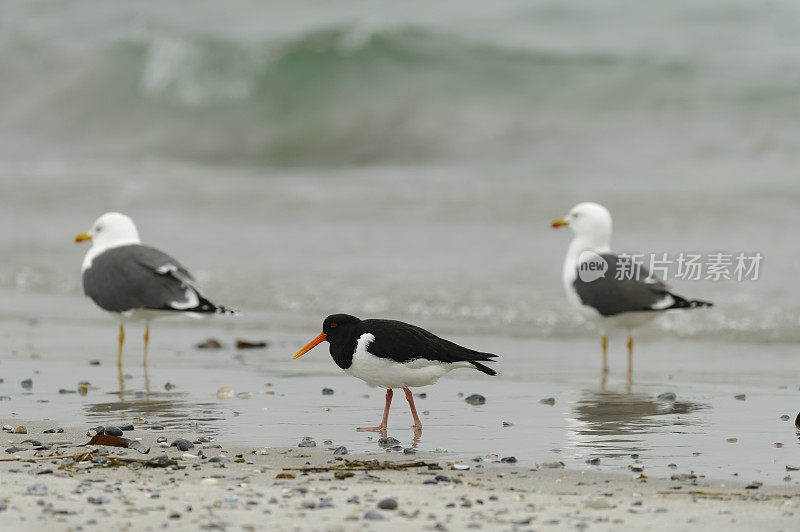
(386, 373)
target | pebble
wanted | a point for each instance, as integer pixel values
(126, 428)
(636, 468)
(35, 443)
(182, 445)
(475, 399)
(327, 391)
(732, 440)
(53, 431)
(112, 430)
(599, 504)
(8, 428)
(553, 465)
(340, 450)
(387, 504)
(21, 430)
(461, 467)
(785, 418)
(209, 482)
(215, 459)
(388, 441)
(740, 397)
(99, 460)
(156, 427)
(509, 460)
(667, 396)
(211, 343)
(372, 515)
(224, 393)
(307, 443)
(792, 468)
(37, 489)
(441, 478)
(508, 424)
(548, 401)
(409, 450)
(65, 391)
(100, 429)
(27, 384)
(593, 461)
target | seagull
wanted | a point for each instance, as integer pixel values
(392, 354)
(592, 285)
(136, 282)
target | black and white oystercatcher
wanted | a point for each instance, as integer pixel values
(392, 354)
(135, 282)
(602, 296)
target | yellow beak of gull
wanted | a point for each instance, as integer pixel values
(81, 237)
(559, 222)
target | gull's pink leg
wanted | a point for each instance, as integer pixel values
(417, 422)
(385, 419)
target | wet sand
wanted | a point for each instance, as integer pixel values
(605, 434)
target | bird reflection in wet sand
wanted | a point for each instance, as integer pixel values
(613, 423)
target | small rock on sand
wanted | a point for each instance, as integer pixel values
(27, 384)
(307, 442)
(245, 344)
(509, 460)
(385, 442)
(372, 515)
(475, 399)
(548, 401)
(224, 393)
(182, 445)
(553, 465)
(327, 391)
(667, 396)
(211, 343)
(740, 397)
(112, 430)
(340, 450)
(387, 504)
(21, 430)
(593, 461)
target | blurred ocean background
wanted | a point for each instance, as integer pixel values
(404, 159)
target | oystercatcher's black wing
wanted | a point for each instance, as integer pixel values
(628, 288)
(403, 342)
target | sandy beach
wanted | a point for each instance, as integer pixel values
(585, 457)
(218, 487)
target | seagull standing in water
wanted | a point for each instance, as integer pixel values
(135, 282)
(592, 285)
(392, 354)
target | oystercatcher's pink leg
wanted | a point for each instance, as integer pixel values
(417, 422)
(385, 419)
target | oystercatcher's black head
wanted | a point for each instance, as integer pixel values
(336, 328)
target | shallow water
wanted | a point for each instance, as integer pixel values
(285, 402)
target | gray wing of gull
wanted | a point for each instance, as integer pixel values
(138, 277)
(611, 296)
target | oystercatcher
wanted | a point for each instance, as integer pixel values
(607, 291)
(135, 282)
(392, 354)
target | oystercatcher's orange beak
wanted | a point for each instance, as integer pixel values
(559, 222)
(81, 237)
(310, 345)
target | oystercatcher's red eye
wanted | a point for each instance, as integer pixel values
(333, 325)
